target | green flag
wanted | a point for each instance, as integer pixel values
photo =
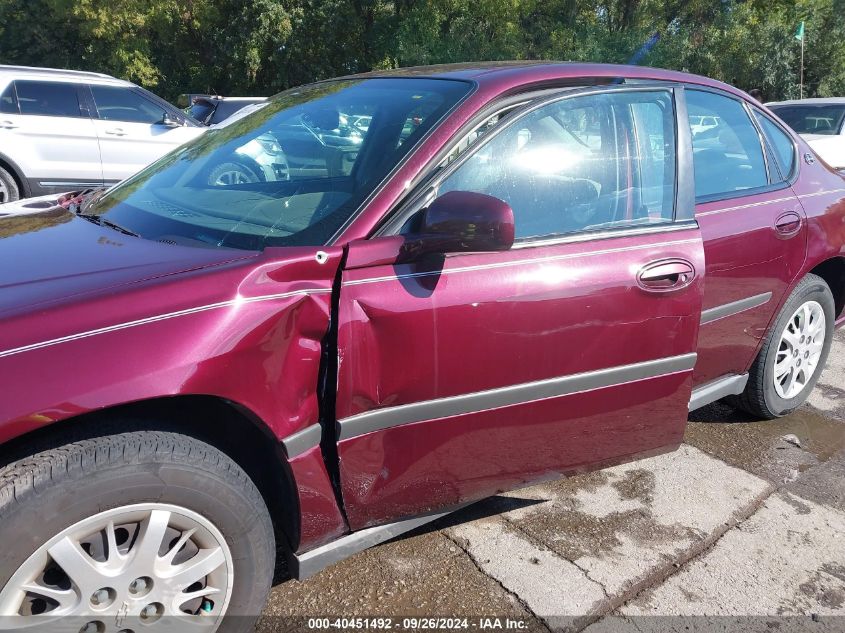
(799, 33)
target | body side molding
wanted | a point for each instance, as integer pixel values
(734, 307)
(303, 440)
(388, 417)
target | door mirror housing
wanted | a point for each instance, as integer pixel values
(465, 221)
(170, 121)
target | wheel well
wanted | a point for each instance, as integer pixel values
(221, 423)
(833, 272)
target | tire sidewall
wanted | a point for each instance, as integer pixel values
(55, 506)
(11, 186)
(232, 165)
(814, 290)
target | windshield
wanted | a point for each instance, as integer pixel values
(288, 174)
(812, 119)
(200, 110)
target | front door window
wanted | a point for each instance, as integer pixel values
(588, 163)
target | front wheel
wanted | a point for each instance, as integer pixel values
(124, 530)
(794, 352)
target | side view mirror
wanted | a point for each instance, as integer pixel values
(464, 221)
(170, 121)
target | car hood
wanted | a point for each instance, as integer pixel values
(49, 254)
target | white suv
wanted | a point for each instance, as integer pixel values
(62, 130)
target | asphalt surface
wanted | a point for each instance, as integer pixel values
(743, 529)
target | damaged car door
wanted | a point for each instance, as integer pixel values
(468, 365)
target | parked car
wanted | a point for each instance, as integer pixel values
(822, 124)
(523, 271)
(211, 109)
(309, 149)
(699, 124)
(64, 129)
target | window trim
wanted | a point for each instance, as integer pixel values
(743, 193)
(684, 189)
(764, 145)
(79, 99)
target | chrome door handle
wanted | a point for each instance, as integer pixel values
(7, 125)
(665, 275)
(116, 131)
(788, 224)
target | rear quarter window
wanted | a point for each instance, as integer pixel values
(781, 144)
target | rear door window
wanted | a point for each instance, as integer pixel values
(727, 156)
(48, 98)
(123, 104)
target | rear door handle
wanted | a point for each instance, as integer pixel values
(7, 125)
(666, 275)
(116, 131)
(788, 224)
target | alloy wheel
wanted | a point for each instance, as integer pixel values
(132, 564)
(233, 177)
(799, 350)
(4, 192)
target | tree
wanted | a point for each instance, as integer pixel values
(262, 46)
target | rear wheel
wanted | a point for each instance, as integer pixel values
(128, 529)
(794, 352)
(9, 191)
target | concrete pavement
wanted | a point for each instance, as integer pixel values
(738, 522)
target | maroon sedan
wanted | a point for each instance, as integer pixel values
(512, 271)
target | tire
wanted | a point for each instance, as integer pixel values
(9, 191)
(231, 173)
(762, 397)
(137, 480)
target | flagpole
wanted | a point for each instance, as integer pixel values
(801, 88)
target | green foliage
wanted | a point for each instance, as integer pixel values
(262, 46)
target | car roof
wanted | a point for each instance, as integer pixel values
(31, 72)
(813, 101)
(512, 74)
